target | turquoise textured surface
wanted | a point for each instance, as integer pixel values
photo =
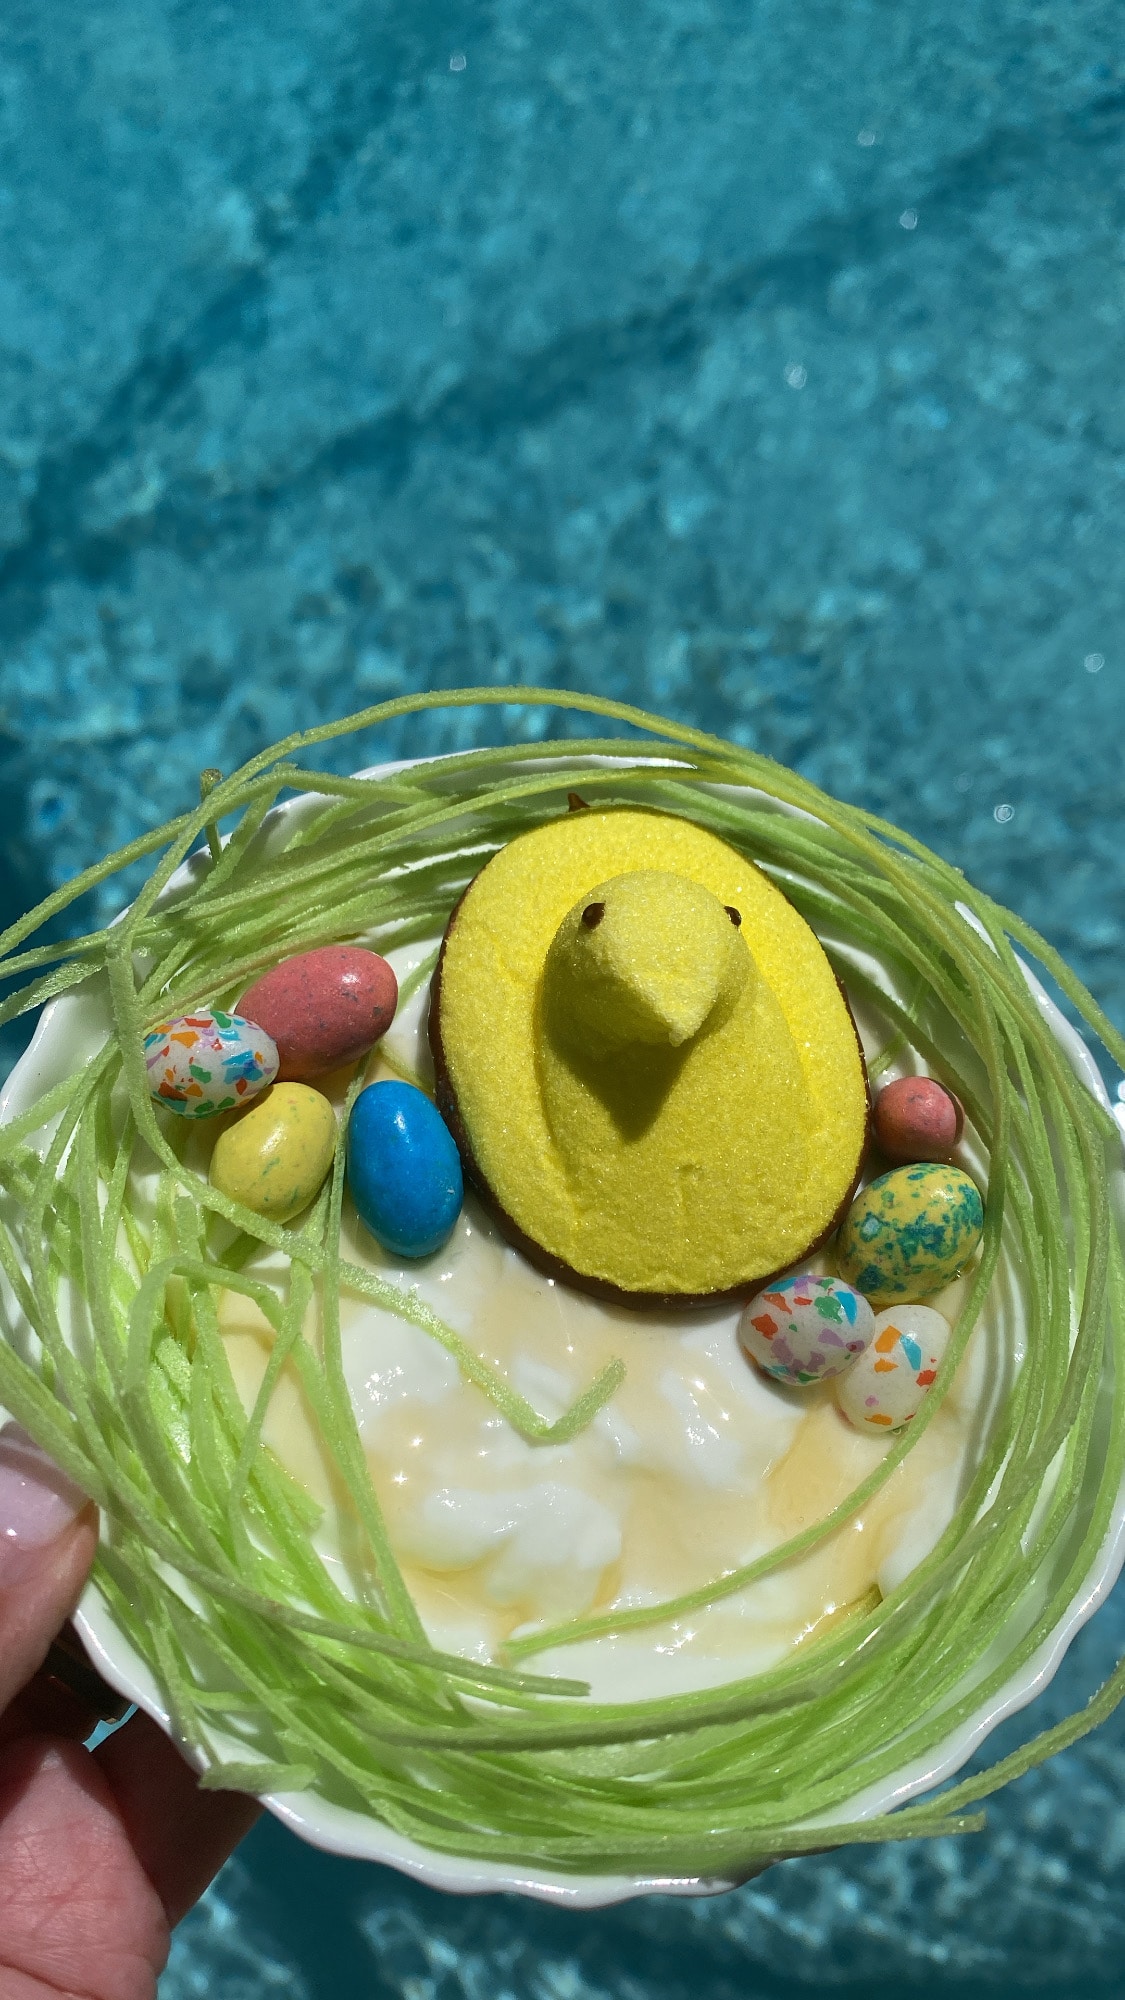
(757, 362)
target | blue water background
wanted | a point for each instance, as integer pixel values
(761, 363)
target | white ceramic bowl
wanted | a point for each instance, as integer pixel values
(70, 1030)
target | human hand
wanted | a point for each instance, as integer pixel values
(100, 1852)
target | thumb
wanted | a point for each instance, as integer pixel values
(48, 1535)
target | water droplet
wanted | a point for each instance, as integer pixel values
(867, 137)
(908, 219)
(458, 61)
(796, 376)
(1002, 814)
(1094, 662)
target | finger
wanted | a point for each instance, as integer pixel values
(67, 1697)
(43, 1708)
(181, 1835)
(48, 1535)
(77, 1910)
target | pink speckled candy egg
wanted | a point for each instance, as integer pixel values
(207, 1062)
(885, 1388)
(323, 1008)
(916, 1119)
(806, 1329)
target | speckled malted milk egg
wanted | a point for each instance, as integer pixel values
(275, 1159)
(916, 1118)
(323, 1008)
(207, 1062)
(807, 1328)
(885, 1388)
(404, 1170)
(909, 1232)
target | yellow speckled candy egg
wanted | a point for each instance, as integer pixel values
(884, 1387)
(274, 1159)
(909, 1232)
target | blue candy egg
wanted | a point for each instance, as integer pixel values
(404, 1170)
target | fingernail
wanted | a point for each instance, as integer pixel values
(37, 1503)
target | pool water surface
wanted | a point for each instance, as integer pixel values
(757, 363)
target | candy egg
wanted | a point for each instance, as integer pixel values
(404, 1170)
(909, 1232)
(807, 1328)
(323, 1008)
(200, 1064)
(276, 1157)
(916, 1119)
(886, 1386)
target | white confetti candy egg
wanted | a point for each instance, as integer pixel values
(886, 1386)
(807, 1328)
(204, 1063)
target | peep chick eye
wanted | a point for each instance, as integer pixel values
(734, 915)
(592, 915)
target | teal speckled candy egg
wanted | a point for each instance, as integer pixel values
(909, 1232)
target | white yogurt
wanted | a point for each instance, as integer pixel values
(696, 1466)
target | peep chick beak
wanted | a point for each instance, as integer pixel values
(645, 958)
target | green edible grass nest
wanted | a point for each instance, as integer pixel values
(208, 1561)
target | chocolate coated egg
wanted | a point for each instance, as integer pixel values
(915, 1118)
(323, 1008)
(909, 1232)
(404, 1170)
(275, 1158)
(806, 1328)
